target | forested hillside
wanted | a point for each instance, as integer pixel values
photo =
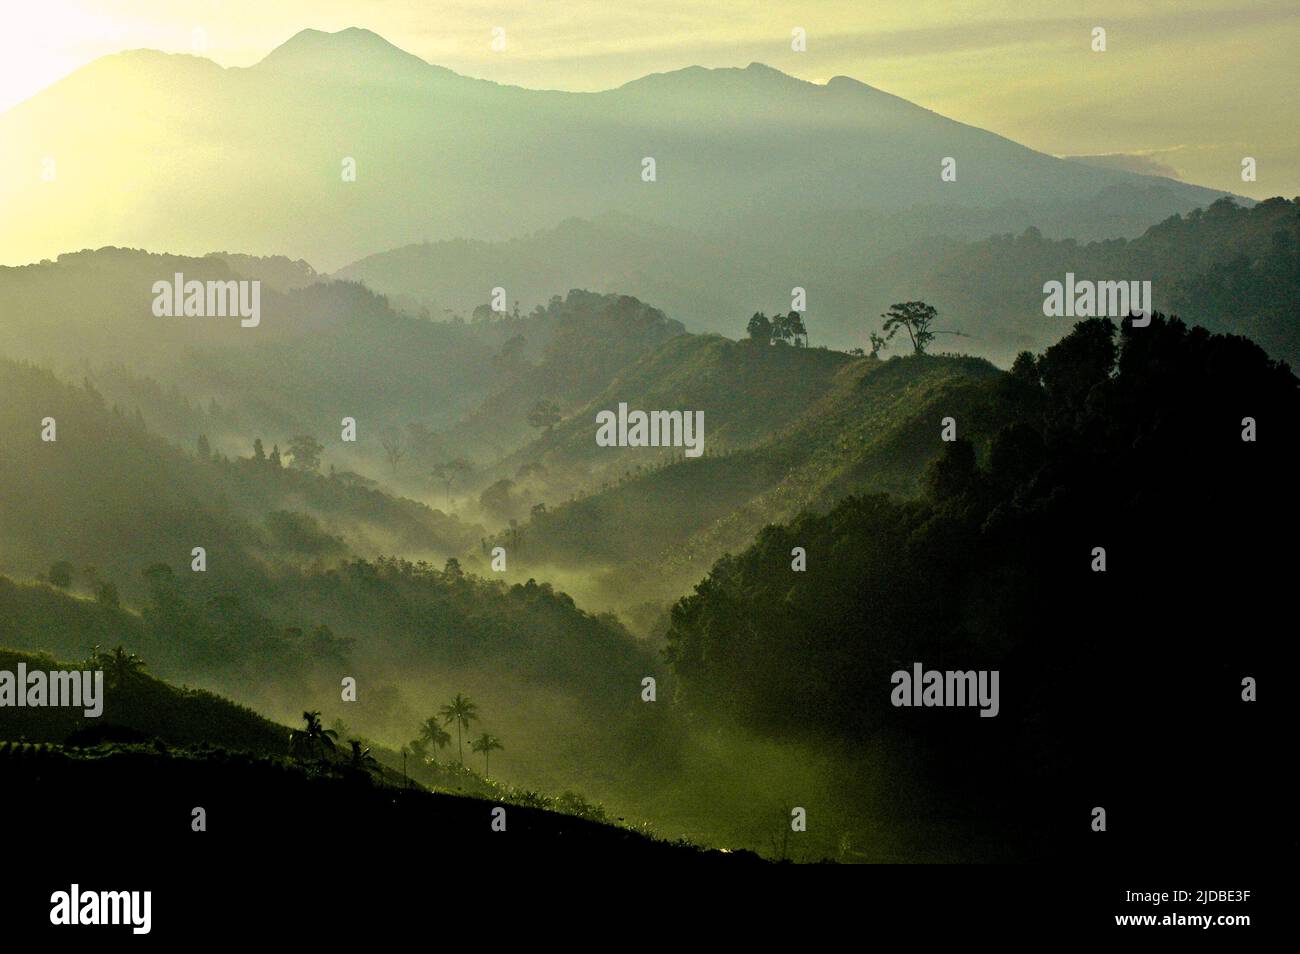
(106, 493)
(319, 353)
(1170, 449)
(806, 428)
(1232, 269)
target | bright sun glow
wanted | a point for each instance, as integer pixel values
(1025, 75)
(43, 42)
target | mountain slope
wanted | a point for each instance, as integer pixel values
(1233, 269)
(157, 750)
(821, 426)
(107, 492)
(322, 351)
(1093, 553)
(257, 155)
(143, 708)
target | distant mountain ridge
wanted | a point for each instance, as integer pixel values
(199, 156)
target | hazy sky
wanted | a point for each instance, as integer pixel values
(1189, 86)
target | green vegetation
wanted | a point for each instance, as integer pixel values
(312, 552)
(1229, 268)
(779, 329)
(834, 426)
(139, 707)
(109, 493)
(914, 317)
(459, 712)
(486, 744)
(155, 743)
(1101, 444)
(765, 698)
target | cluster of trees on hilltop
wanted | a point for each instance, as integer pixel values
(219, 632)
(1132, 445)
(779, 329)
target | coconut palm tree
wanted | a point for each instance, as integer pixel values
(434, 735)
(361, 760)
(121, 666)
(315, 739)
(486, 744)
(460, 711)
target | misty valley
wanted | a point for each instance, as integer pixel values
(375, 512)
(359, 581)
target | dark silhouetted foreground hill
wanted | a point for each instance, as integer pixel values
(257, 805)
(157, 752)
(1121, 689)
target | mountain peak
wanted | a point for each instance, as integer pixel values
(702, 78)
(316, 41)
(353, 52)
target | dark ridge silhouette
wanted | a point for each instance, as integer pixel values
(1121, 689)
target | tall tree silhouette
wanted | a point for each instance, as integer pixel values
(121, 667)
(434, 735)
(460, 711)
(914, 317)
(486, 744)
(313, 738)
(306, 451)
(391, 441)
(789, 327)
(450, 471)
(360, 759)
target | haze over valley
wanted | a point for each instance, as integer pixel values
(369, 549)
